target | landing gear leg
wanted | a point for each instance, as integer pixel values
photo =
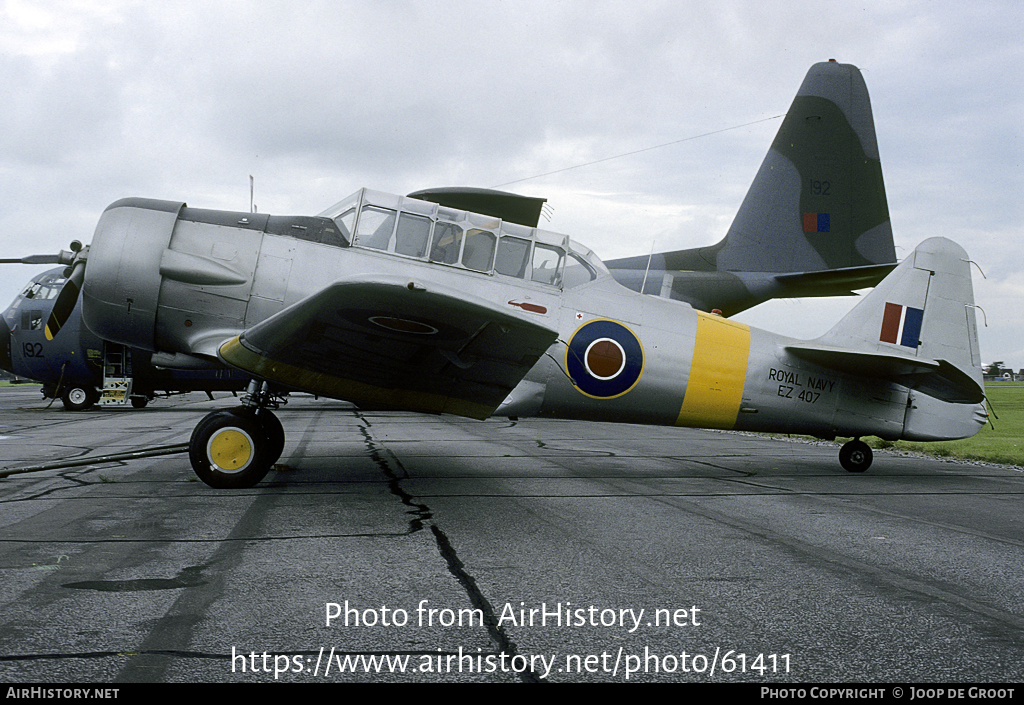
(855, 456)
(235, 448)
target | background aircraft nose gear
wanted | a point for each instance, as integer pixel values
(77, 397)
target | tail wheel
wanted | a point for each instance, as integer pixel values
(230, 450)
(855, 456)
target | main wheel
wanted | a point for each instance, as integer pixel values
(77, 398)
(855, 456)
(273, 431)
(229, 449)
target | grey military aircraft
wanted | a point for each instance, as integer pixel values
(79, 367)
(404, 303)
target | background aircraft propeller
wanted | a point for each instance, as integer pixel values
(68, 296)
(66, 299)
(62, 257)
(32, 259)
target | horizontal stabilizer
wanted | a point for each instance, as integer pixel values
(833, 282)
(936, 378)
(510, 207)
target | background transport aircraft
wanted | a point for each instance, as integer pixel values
(815, 221)
(79, 368)
(399, 302)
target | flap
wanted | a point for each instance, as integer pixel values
(386, 342)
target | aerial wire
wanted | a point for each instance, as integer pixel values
(639, 151)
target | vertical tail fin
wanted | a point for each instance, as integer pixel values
(815, 221)
(921, 320)
(924, 308)
(917, 329)
(818, 200)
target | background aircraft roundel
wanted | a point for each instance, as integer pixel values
(604, 359)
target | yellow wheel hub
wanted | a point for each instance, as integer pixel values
(230, 450)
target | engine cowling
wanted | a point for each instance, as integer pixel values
(122, 283)
(167, 278)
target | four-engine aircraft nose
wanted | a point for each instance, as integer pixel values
(5, 346)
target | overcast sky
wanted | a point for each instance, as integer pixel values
(184, 100)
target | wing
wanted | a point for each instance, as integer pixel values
(387, 342)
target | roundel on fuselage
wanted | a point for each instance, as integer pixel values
(604, 359)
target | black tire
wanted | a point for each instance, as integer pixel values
(273, 431)
(77, 398)
(229, 449)
(139, 401)
(855, 456)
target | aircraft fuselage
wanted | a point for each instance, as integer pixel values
(618, 355)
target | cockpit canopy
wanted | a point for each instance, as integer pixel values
(45, 286)
(419, 229)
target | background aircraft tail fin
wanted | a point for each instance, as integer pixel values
(818, 200)
(918, 327)
(816, 207)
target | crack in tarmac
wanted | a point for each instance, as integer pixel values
(423, 515)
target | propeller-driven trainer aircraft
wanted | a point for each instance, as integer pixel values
(828, 137)
(403, 303)
(80, 368)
